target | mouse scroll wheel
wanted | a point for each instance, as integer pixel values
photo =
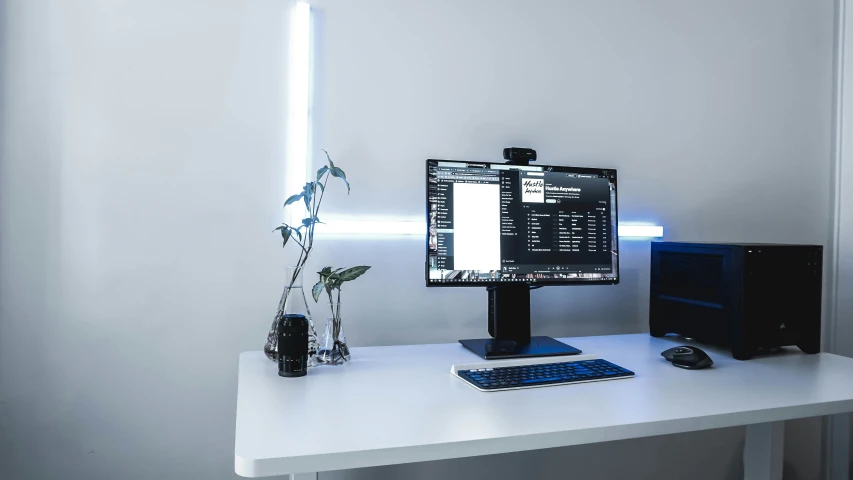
(684, 350)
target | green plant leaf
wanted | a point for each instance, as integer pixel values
(317, 290)
(337, 172)
(322, 171)
(294, 198)
(331, 163)
(306, 222)
(317, 219)
(308, 194)
(331, 278)
(353, 273)
(297, 231)
(285, 234)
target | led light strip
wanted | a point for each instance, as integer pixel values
(641, 231)
(373, 227)
(298, 108)
(297, 165)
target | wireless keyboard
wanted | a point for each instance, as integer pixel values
(539, 372)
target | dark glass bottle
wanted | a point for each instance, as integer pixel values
(293, 345)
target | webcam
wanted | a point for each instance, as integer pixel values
(519, 156)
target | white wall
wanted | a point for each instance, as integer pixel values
(140, 180)
(140, 176)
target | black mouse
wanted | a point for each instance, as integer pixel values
(688, 357)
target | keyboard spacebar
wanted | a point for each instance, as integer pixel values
(541, 380)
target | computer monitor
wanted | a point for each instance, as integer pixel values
(512, 227)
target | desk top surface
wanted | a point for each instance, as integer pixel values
(400, 404)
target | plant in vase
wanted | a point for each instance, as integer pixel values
(293, 300)
(333, 347)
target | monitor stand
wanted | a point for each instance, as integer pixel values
(509, 326)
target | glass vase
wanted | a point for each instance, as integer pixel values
(333, 346)
(292, 302)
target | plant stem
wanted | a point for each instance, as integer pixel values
(300, 263)
(298, 243)
(322, 193)
(306, 250)
(315, 205)
(337, 324)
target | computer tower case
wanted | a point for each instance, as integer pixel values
(747, 297)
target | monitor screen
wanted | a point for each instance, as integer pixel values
(493, 223)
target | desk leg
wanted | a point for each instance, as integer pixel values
(304, 476)
(837, 462)
(763, 451)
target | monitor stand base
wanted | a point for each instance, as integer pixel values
(538, 347)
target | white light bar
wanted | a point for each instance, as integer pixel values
(296, 166)
(372, 227)
(646, 231)
(419, 228)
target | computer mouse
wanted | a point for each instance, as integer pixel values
(688, 357)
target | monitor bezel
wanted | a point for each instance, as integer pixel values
(531, 282)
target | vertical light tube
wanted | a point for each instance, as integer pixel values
(298, 107)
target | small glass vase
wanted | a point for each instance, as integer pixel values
(333, 347)
(293, 301)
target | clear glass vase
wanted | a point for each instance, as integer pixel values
(333, 347)
(293, 301)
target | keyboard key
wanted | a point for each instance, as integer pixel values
(541, 380)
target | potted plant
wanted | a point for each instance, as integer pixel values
(333, 348)
(293, 300)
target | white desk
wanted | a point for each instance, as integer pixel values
(394, 405)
